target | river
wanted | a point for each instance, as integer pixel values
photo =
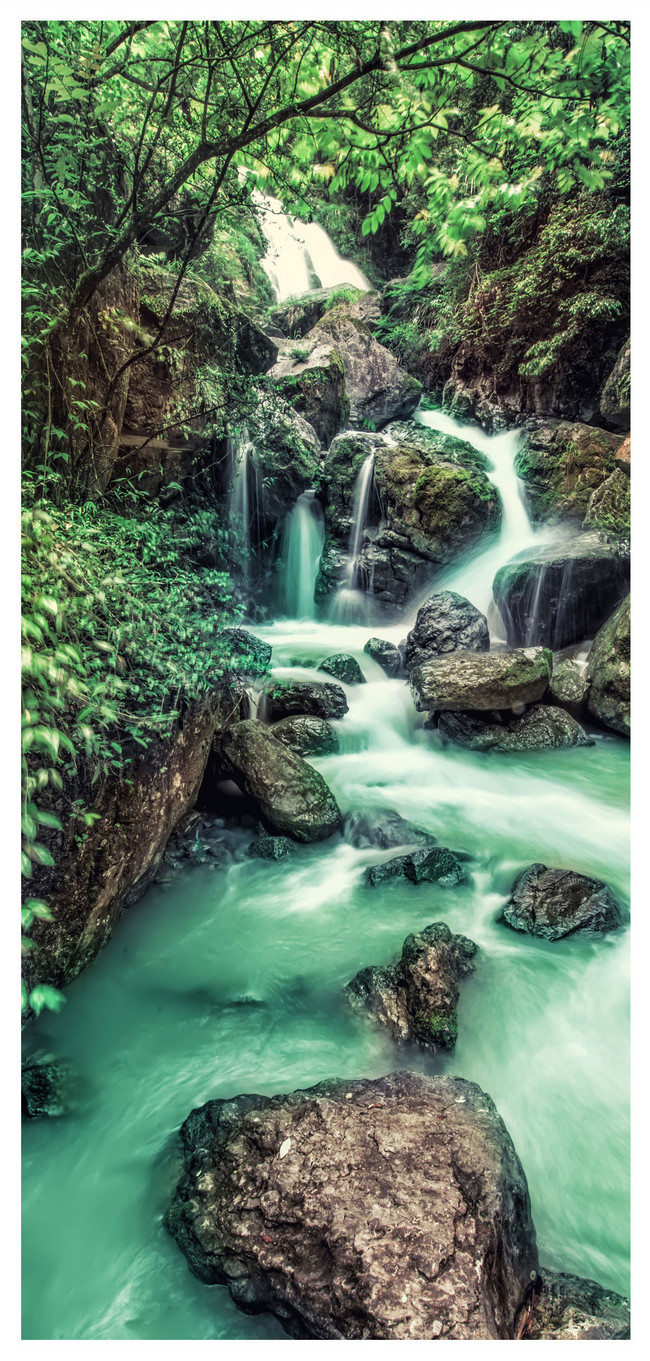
(229, 980)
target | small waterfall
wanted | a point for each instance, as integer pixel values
(350, 604)
(301, 553)
(245, 495)
(300, 255)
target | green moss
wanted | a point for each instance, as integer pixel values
(442, 495)
(437, 1028)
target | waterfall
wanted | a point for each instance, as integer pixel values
(350, 603)
(473, 577)
(301, 553)
(244, 497)
(300, 255)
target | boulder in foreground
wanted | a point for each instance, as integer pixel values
(416, 998)
(490, 680)
(291, 795)
(387, 1209)
(556, 903)
(307, 734)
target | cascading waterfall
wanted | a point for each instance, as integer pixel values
(350, 603)
(245, 495)
(474, 576)
(300, 255)
(301, 553)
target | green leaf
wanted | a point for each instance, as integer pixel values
(45, 997)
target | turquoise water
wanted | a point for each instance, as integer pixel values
(229, 980)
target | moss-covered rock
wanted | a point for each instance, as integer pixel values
(311, 378)
(608, 672)
(482, 680)
(288, 453)
(307, 734)
(562, 594)
(561, 464)
(292, 797)
(434, 445)
(541, 728)
(610, 505)
(568, 688)
(336, 483)
(416, 998)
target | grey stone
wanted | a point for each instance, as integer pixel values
(446, 622)
(556, 903)
(489, 680)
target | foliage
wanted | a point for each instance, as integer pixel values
(120, 631)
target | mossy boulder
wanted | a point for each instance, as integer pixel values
(482, 680)
(416, 998)
(610, 505)
(561, 464)
(434, 445)
(293, 798)
(608, 672)
(572, 1309)
(311, 378)
(288, 453)
(439, 507)
(336, 484)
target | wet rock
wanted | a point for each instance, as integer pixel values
(388, 1209)
(292, 797)
(310, 376)
(284, 698)
(265, 847)
(561, 463)
(431, 865)
(615, 396)
(307, 734)
(385, 654)
(491, 680)
(391, 572)
(297, 316)
(384, 830)
(243, 652)
(446, 622)
(435, 445)
(567, 688)
(379, 390)
(541, 728)
(622, 457)
(608, 672)
(575, 1310)
(561, 595)
(345, 458)
(416, 998)
(344, 667)
(555, 903)
(288, 453)
(610, 505)
(49, 1087)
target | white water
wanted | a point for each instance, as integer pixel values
(350, 605)
(300, 255)
(301, 553)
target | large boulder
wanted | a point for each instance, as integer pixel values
(570, 1309)
(284, 698)
(541, 728)
(336, 486)
(389, 1209)
(482, 680)
(385, 830)
(615, 396)
(560, 595)
(379, 390)
(430, 865)
(446, 622)
(309, 374)
(288, 453)
(561, 463)
(291, 795)
(435, 444)
(297, 316)
(344, 667)
(555, 903)
(385, 654)
(307, 734)
(416, 998)
(608, 672)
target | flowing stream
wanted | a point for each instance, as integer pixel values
(228, 980)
